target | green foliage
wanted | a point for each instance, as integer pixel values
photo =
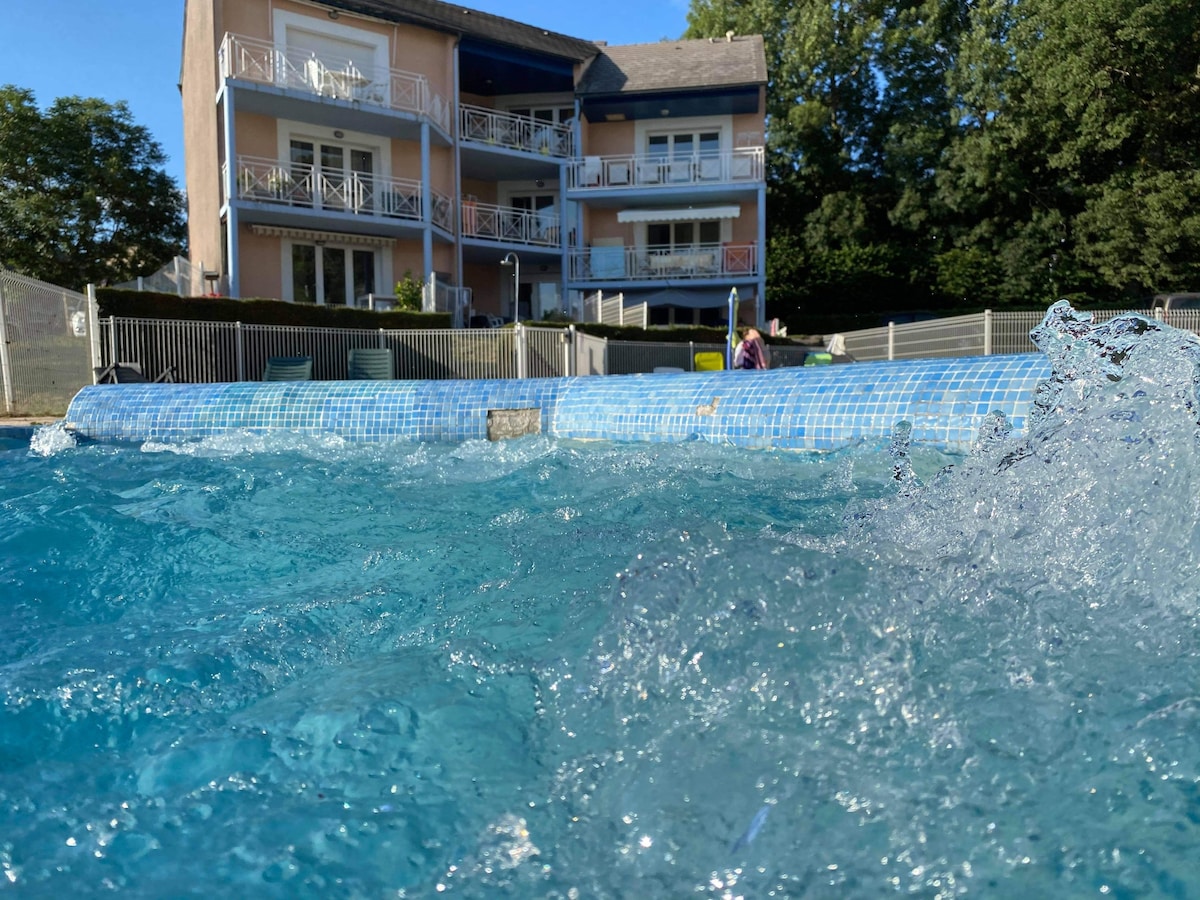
(83, 197)
(674, 335)
(994, 152)
(151, 305)
(409, 293)
(969, 275)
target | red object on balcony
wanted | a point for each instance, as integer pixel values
(736, 257)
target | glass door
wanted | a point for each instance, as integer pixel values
(337, 185)
(331, 275)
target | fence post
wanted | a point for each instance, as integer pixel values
(891, 340)
(5, 361)
(987, 332)
(241, 351)
(94, 329)
(572, 356)
(519, 341)
(112, 340)
(382, 340)
(691, 356)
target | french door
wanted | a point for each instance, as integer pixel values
(680, 153)
(331, 275)
(343, 177)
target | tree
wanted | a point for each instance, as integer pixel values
(998, 152)
(83, 195)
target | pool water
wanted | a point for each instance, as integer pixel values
(284, 667)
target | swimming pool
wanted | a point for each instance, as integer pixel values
(299, 666)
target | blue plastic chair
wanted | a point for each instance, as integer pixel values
(288, 368)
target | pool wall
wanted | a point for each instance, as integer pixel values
(814, 408)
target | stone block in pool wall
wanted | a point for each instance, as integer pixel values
(503, 424)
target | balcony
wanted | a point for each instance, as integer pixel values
(507, 224)
(264, 63)
(743, 166)
(480, 125)
(308, 187)
(661, 263)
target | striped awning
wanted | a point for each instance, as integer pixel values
(687, 214)
(313, 236)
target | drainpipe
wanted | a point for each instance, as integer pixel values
(456, 118)
(762, 256)
(231, 210)
(426, 201)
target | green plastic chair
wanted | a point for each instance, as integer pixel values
(370, 364)
(288, 368)
(819, 358)
(710, 361)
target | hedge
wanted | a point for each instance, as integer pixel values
(152, 305)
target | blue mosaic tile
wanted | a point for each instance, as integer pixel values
(804, 408)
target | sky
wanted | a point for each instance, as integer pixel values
(129, 51)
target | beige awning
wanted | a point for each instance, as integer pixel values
(313, 236)
(688, 214)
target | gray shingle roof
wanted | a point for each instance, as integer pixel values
(676, 65)
(447, 17)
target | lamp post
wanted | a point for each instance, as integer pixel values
(511, 259)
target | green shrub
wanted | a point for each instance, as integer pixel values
(151, 305)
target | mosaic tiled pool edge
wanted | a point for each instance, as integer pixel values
(815, 408)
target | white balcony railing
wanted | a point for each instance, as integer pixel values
(741, 166)
(509, 224)
(480, 125)
(311, 187)
(661, 263)
(324, 76)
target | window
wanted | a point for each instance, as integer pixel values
(559, 115)
(345, 178)
(680, 155)
(543, 214)
(682, 235)
(331, 275)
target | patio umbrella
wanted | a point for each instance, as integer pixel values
(732, 321)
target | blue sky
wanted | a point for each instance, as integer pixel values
(130, 50)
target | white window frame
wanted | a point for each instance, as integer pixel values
(645, 128)
(281, 21)
(288, 131)
(641, 238)
(384, 280)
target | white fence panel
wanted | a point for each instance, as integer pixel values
(45, 346)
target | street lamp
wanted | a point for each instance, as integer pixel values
(511, 259)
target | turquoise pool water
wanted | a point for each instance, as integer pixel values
(296, 667)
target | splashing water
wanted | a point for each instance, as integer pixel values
(540, 669)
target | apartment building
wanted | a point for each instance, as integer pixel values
(334, 147)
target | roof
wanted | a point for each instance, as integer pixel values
(676, 66)
(452, 19)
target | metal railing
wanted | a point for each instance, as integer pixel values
(312, 187)
(664, 263)
(180, 277)
(978, 334)
(45, 345)
(480, 125)
(335, 77)
(741, 166)
(509, 224)
(204, 352)
(612, 310)
(437, 297)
